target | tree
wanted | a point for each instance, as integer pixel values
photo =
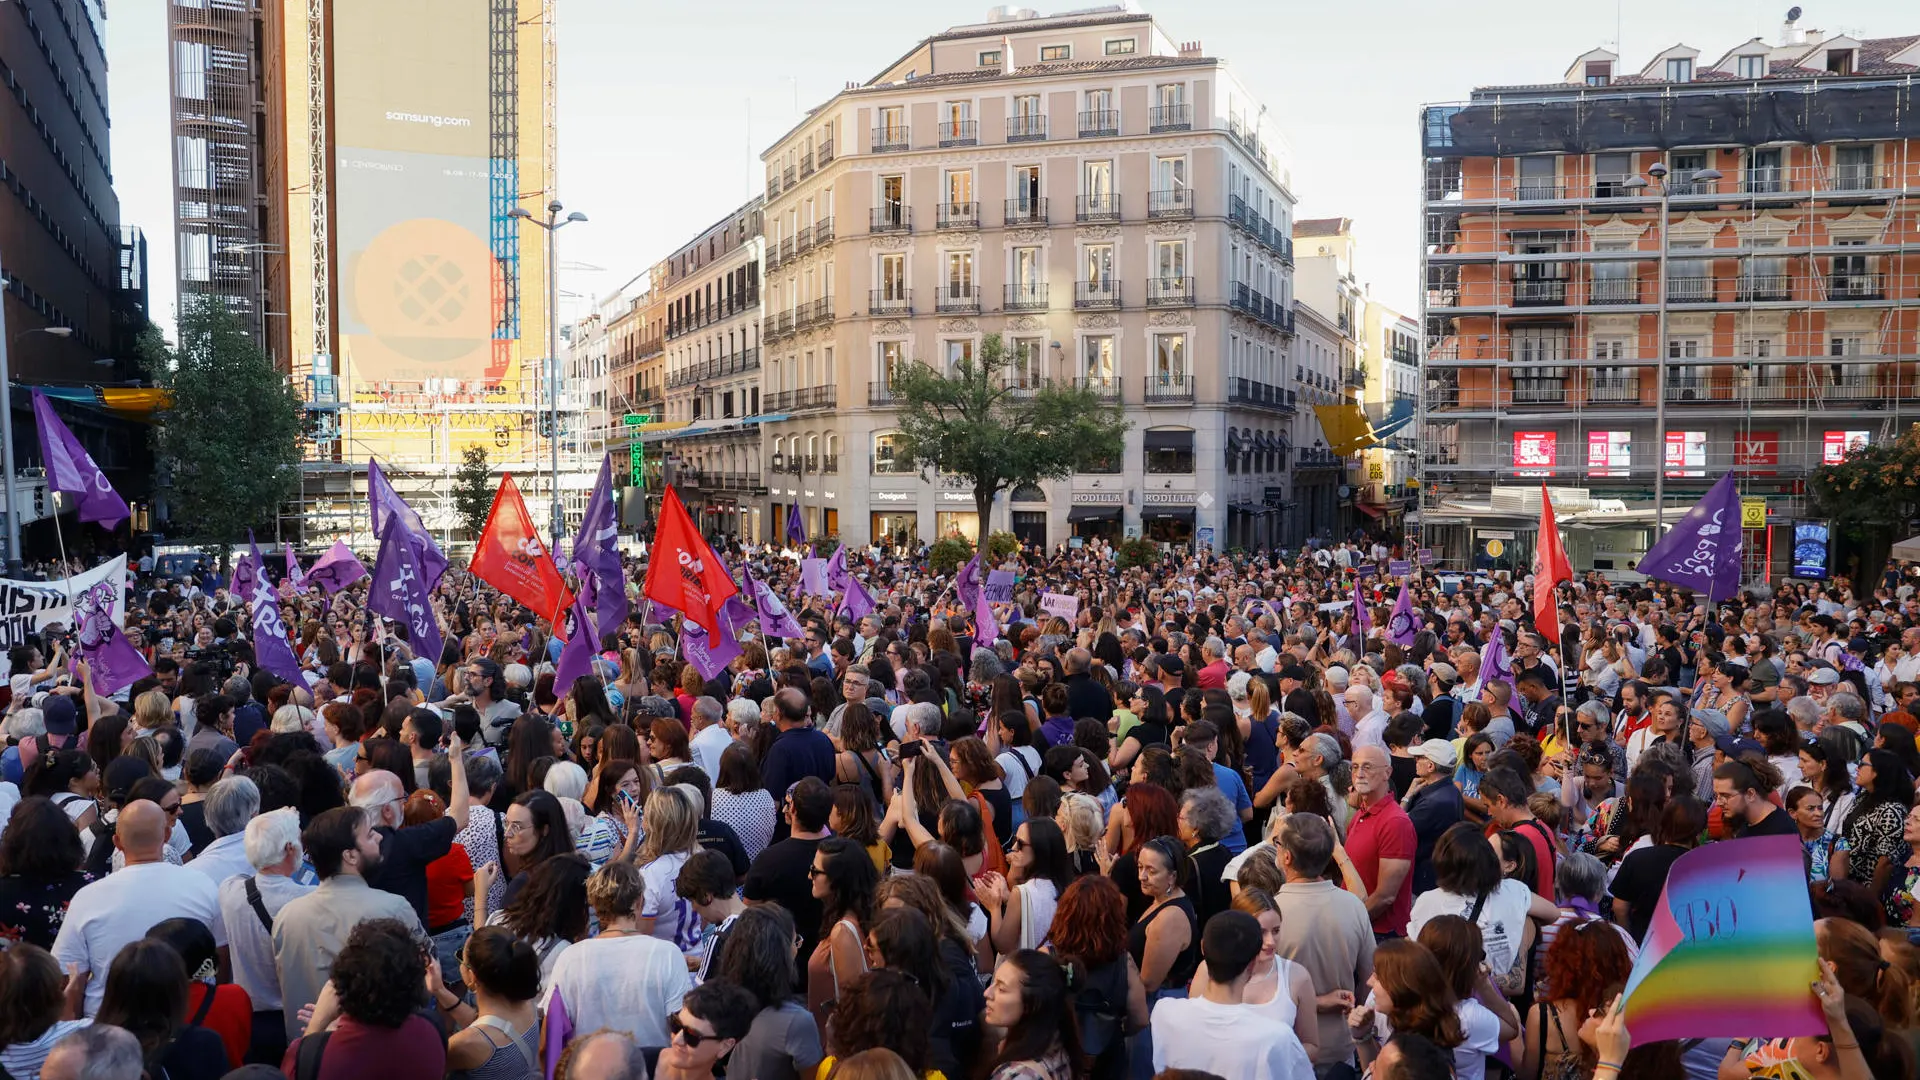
(968, 422)
(1876, 488)
(230, 435)
(473, 489)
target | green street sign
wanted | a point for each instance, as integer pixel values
(635, 419)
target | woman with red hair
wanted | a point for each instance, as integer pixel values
(1586, 965)
(1147, 811)
(1089, 938)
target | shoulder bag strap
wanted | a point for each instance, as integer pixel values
(499, 835)
(1478, 903)
(1022, 759)
(206, 1006)
(879, 788)
(259, 904)
(306, 1066)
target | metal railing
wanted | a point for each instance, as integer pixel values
(959, 132)
(1261, 395)
(892, 218)
(957, 299)
(803, 241)
(1022, 128)
(823, 231)
(1025, 296)
(825, 150)
(1614, 290)
(806, 165)
(1613, 388)
(1170, 291)
(1750, 288)
(1026, 211)
(886, 140)
(890, 302)
(1170, 203)
(1169, 389)
(959, 215)
(1098, 122)
(811, 397)
(1690, 289)
(1097, 207)
(888, 466)
(829, 464)
(786, 176)
(1856, 286)
(1096, 295)
(1103, 387)
(1170, 118)
(880, 393)
(1539, 291)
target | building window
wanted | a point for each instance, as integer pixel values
(1599, 72)
(1098, 360)
(1840, 61)
(958, 352)
(893, 277)
(989, 59)
(1680, 69)
(1170, 358)
(1169, 451)
(1024, 370)
(890, 356)
(886, 456)
(1120, 47)
(1751, 67)
(1050, 53)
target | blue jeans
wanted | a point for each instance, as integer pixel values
(446, 946)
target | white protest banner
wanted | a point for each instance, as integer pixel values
(28, 607)
(1060, 604)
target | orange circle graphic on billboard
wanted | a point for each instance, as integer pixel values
(424, 290)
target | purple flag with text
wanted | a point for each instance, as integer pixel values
(972, 591)
(775, 620)
(1362, 612)
(399, 592)
(709, 655)
(813, 578)
(1493, 659)
(387, 504)
(293, 569)
(270, 645)
(337, 569)
(246, 572)
(855, 599)
(1402, 625)
(796, 526)
(576, 656)
(71, 471)
(112, 662)
(1702, 550)
(596, 556)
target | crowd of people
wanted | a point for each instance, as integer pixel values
(1217, 825)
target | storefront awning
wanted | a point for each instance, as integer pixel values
(1370, 510)
(1252, 508)
(1176, 513)
(1169, 439)
(1094, 513)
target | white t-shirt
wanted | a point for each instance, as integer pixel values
(1232, 1041)
(1482, 1029)
(673, 918)
(120, 908)
(1010, 761)
(630, 984)
(1502, 918)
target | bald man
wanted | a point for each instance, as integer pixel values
(606, 1055)
(405, 850)
(1381, 841)
(121, 907)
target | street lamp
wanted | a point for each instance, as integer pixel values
(1658, 174)
(6, 429)
(553, 224)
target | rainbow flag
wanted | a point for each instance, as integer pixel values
(1730, 952)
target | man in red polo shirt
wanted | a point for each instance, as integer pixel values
(1506, 794)
(1213, 676)
(1381, 843)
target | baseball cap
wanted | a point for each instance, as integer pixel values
(60, 715)
(1438, 751)
(1735, 748)
(1823, 677)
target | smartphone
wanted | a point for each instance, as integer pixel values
(912, 749)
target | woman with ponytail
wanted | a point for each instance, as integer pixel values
(501, 1037)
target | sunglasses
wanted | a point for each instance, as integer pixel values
(1019, 845)
(693, 1039)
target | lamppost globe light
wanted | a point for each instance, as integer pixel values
(1638, 183)
(520, 212)
(1708, 174)
(554, 207)
(576, 216)
(58, 331)
(1657, 170)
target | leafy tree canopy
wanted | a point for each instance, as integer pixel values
(1877, 487)
(473, 489)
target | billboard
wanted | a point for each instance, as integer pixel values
(1838, 444)
(1757, 452)
(1811, 540)
(412, 144)
(1609, 453)
(1534, 452)
(1686, 453)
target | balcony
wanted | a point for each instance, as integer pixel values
(812, 397)
(1689, 290)
(806, 166)
(956, 299)
(1095, 123)
(1026, 211)
(887, 140)
(1856, 286)
(880, 394)
(1169, 389)
(773, 183)
(1103, 387)
(1261, 395)
(1539, 291)
(1170, 292)
(773, 256)
(892, 218)
(1613, 388)
(786, 250)
(1096, 295)
(1615, 290)
(814, 313)
(1025, 296)
(786, 177)
(1026, 128)
(959, 133)
(823, 232)
(747, 482)
(1097, 208)
(1024, 384)
(1170, 118)
(1170, 203)
(1760, 288)
(803, 241)
(959, 215)
(890, 466)
(890, 302)
(825, 151)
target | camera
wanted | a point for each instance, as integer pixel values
(218, 658)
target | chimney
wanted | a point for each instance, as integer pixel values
(1190, 48)
(1006, 56)
(1790, 32)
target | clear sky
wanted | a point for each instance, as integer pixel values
(664, 107)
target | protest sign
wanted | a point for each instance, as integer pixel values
(1060, 604)
(1399, 568)
(28, 607)
(1000, 587)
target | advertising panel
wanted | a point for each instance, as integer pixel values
(1810, 542)
(1686, 453)
(1609, 453)
(1838, 444)
(1534, 452)
(1757, 452)
(411, 188)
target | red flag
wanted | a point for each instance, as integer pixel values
(682, 571)
(511, 558)
(1550, 565)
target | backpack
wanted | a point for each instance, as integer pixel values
(1099, 1005)
(100, 856)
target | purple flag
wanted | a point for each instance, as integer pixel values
(270, 645)
(1493, 659)
(856, 600)
(1402, 626)
(71, 471)
(559, 1033)
(246, 572)
(973, 595)
(1702, 550)
(813, 578)
(775, 620)
(576, 657)
(596, 554)
(1362, 616)
(387, 504)
(112, 661)
(400, 592)
(337, 569)
(796, 526)
(709, 655)
(293, 570)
